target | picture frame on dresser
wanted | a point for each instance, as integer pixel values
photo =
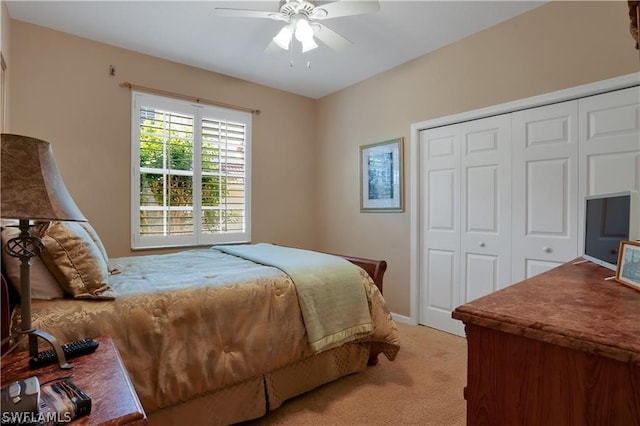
(628, 268)
(381, 176)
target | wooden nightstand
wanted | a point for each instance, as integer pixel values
(101, 375)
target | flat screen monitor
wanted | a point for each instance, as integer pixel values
(609, 219)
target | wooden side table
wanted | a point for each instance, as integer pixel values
(101, 375)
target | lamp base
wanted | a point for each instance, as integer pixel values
(25, 246)
(33, 334)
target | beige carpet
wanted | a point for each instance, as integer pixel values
(423, 386)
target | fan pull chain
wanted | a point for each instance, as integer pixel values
(292, 62)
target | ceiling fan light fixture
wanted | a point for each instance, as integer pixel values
(300, 18)
(283, 38)
(304, 34)
(308, 45)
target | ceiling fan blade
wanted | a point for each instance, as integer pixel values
(340, 8)
(331, 38)
(244, 13)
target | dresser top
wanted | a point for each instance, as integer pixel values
(571, 306)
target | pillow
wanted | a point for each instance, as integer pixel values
(43, 284)
(98, 242)
(76, 261)
(95, 238)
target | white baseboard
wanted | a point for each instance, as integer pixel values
(403, 319)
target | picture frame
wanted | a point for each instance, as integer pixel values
(628, 268)
(382, 176)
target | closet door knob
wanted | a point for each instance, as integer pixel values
(547, 249)
(482, 244)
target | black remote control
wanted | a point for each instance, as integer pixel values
(71, 350)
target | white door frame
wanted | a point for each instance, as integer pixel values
(577, 92)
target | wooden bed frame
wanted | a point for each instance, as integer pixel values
(375, 268)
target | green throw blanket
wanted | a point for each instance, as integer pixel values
(330, 291)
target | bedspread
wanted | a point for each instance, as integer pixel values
(330, 293)
(192, 322)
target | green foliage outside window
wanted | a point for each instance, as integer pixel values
(179, 186)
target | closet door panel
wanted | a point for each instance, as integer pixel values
(609, 146)
(440, 288)
(607, 173)
(610, 118)
(545, 188)
(485, 210)
(440, 179)
(482, 199)
(442, 202)
(610, 141)
(534, 267)
(481, 275)
(441, 276)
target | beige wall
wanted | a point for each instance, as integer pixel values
(62, 93)
(305, 173)
(559, 45)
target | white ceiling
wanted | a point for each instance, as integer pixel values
(190, 32)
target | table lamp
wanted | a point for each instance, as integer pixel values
(32, 190)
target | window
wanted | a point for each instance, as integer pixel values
(190, 173)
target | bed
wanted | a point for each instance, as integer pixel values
(214, 337)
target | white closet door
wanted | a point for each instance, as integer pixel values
(545, 188)
(465, 221)
(609, 146)
(440, 228)
(485, 208)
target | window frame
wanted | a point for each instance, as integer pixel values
(199, 112)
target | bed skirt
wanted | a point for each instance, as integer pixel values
(251, 399)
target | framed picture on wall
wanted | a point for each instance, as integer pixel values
(628, 270)
(381, 177)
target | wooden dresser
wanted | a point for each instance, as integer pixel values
(561, 348)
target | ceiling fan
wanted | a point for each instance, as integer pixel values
(301, 18)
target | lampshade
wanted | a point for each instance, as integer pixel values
(304, 34)
(303, 31)
(30, 186)
(283, 39)
(32, 189)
